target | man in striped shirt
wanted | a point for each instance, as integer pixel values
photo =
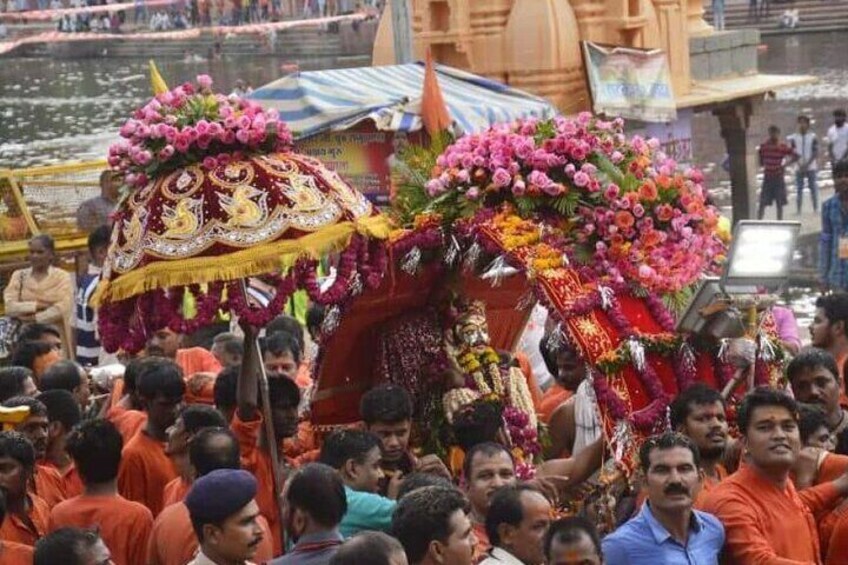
(88, 343)
(772, 154)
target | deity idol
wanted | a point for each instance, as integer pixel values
(479, 374)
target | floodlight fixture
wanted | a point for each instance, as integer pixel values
(760, 256)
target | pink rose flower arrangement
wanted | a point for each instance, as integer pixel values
(191, 124)
(632, 214)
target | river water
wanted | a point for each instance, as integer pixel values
(57, 110)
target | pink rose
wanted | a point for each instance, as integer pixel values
(519, 188)
(578, 153)
(182, 142)
(554, 189)
(524, 149)
(243, 136)
(215, 129)
(224, 158)
(581, 179)
(473, 193)
(243, 122)
(257, 136)
(434, 187)
(228, 138)
(202, 127)
(539, 179)
(128, 129)
(209, 163)
(501, 178)
(143, 158)
(203, 140)
(166, 152)
(204, 82)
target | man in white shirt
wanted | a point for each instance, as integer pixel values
(806, 152)
(837, 138)
(518, 519)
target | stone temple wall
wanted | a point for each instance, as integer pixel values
(535, 44)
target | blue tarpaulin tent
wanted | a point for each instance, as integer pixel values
(334, 100)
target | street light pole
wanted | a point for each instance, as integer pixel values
(402, 26)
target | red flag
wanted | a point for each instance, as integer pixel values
(434, 111)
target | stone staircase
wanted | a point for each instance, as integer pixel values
(815, 15)
(309, 48)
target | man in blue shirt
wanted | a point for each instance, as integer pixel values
(355, 454)
(668, 530)
(833, 248)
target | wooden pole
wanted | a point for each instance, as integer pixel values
(265, 396)
(402, 27)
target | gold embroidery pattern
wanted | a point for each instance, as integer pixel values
(183, 183)
(241, 204)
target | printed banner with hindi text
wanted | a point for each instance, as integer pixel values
(631, 83)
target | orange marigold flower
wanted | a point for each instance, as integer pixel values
(624, 219)
(651, 238)
(664, 212)
(648, 191)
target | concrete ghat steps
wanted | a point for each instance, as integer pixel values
(312, 46)
(815, 15)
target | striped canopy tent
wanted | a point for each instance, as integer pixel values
(390, 96)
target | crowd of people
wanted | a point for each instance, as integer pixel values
(802, 151)
(165, 458)
(194, 12)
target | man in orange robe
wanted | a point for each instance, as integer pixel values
(123, 525)
(12, 553)
(248, 426)
(699, 413)
(191, 420)
(125, 411)
(46, 482)
(173, 540)
(199, 366)
(145, 467)
(766, 520)
(64, 413)
(26, 513)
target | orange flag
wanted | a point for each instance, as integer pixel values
(434, 111)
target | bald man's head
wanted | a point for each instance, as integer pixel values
(213, 448)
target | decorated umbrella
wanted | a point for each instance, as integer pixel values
(214, 196)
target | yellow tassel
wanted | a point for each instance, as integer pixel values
(253, 261)
(157, 83)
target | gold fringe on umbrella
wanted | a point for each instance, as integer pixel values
(254, 261)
